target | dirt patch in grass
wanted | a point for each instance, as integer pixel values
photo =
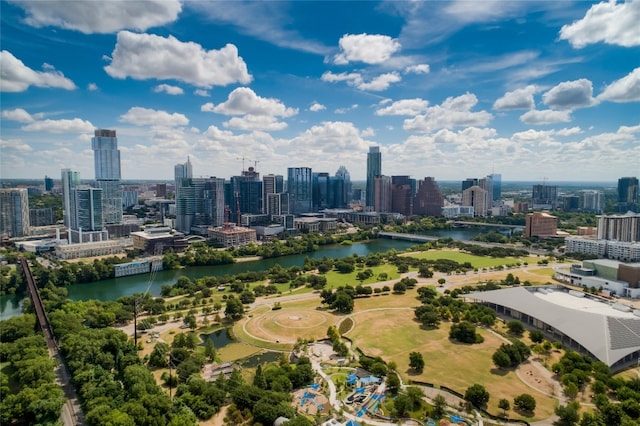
(293, 321)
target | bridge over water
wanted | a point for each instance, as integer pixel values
(494, 225)
(407, 237)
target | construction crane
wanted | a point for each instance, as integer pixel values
(238, 216)
(242, 158)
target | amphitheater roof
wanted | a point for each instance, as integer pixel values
(606, 332)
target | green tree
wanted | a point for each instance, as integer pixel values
(568, 415)
(402, 405)
(416, 361)
(439, 405)
(393, 383)
(525, 403)
(515, 327)
(504, 405)
(343, 302)
(210, 350)
(465, 332)
(399, 287)
(477, 395)
(536, 336)
(234, 309)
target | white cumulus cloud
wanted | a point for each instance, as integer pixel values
(92, 87)
(151, 117)
(147, 56)
(168, 89)
(417, 69)
(355, 79)
(608, 22)
(627, 89)
(547, 116)
(100, 16)
(18, 114)
(453, 112)
(404, 107)
(517, 99)
(381, 82)
(17, 77)
(255, 122)
(74, 125)
(570, 95)
(367, 48)
(243, 100)
(315, 107)
(201, 92)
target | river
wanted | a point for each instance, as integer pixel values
(112, 289)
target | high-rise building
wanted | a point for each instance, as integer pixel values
(320, 190)
(402, 194)
(477, 198)
(244, 194)
(14, 212)
(486, 183)
(382, 194)
(593, 201)
(429, 200)
(569, 202)
(70, 180)
(106, 156)
(342, 188)
(200, 202)
(48, 183)
(374, 168)
(496, 178)
(628, 194)
(468, 183)
(544, 197)
(300, 189)
(87, 211)
(180, 172)
(541, 225)
(272, 184)
(625, 228)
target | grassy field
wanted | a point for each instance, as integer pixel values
(394, 334)
(336, 279)
(476, 261)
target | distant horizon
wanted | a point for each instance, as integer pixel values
(444, 181)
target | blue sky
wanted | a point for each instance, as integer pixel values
(458, 89)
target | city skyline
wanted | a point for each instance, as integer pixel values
(451, 90)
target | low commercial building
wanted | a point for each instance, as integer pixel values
(230, 235)
(154, 237)
(143, 266)
(617, 250)
(613, 277)
(97, 248)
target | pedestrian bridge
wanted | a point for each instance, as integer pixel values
(407, 237)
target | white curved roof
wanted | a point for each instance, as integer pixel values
(607, 333)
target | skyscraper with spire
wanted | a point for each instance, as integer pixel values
(374, 168)
(106, 156)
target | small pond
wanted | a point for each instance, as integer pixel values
(220, 338)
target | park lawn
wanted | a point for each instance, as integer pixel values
(387, 300)
(336, 279)
(477, 262)
(235, 351)
(393, 335)
(545, 272)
